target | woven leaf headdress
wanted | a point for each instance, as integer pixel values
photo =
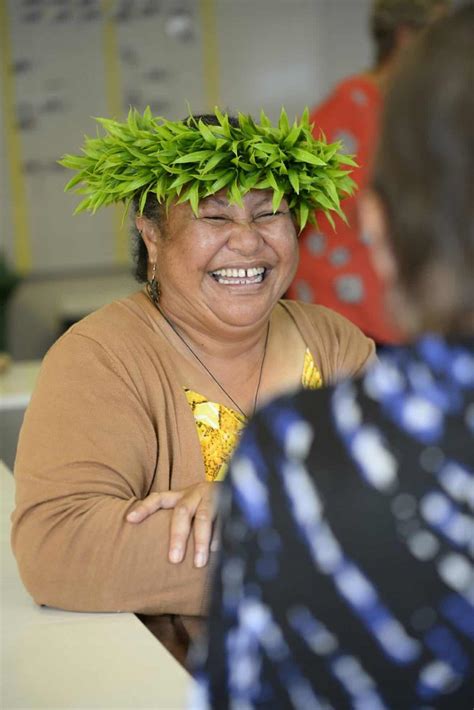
(190, 159)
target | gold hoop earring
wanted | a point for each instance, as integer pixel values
(153, 287)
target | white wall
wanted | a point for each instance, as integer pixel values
(74, 59)
(269, 53)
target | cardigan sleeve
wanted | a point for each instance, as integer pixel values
(87, 451)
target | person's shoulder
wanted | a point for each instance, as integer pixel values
(115, 337)
(119, 319)
(344, 112)
(320, 316)
(116, 329)
(357, 89)
(431, 360)
(297, 308)
(339, 347)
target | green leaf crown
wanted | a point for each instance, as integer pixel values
(190, 159)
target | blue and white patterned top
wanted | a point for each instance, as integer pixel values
(346, 578)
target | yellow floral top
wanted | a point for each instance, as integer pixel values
(219, 427)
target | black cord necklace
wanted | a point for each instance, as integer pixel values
(175, 330)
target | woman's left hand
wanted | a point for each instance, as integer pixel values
(194, 507)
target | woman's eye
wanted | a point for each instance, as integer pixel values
(269, 215)
(216, 218)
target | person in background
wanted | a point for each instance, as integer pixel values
(139, 406)
(335, 268)
(346, 576)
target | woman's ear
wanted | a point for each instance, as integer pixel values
(149, 232)
(373, 222)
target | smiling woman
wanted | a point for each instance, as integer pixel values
(203, 261)
(149, 395)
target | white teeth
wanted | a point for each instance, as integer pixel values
(256, 271)
(240, 273)
(234, 282)
(237, 277)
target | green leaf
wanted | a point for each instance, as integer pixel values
(206, 133)
(219, 115)
(221, 143)
(247, 124)
(330, 151)
(292, 136)
(264, 120)
(283, 123)
(224, 122)
(331, 190)
(277, 198)
(147, 115)
(235, 193)
(82, 206)
(73, 182)
(268, 148)
(303, 212)
(194, 198)
(335, 173)
(306, 156)
(271, 180)
(294, 180)
(196, 157)
(329, 218)
(161, 187)
(343, 159)
(223, 181)
(250, 180)
(180, 180)
(322, 200)
(136, 184)
(75, 162)
(143, 197)
(245, 167)
(112, 127)
(347, 186)
(349, 160)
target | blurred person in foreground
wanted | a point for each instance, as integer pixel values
(139, 406)
(346, 578)
(335, 267)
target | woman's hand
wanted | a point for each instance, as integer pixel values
(194, 507)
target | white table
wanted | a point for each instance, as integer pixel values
(16, 386)
(56, 659)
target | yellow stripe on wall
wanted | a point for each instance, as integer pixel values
(210, 50)
(113, 92)
(19, 203)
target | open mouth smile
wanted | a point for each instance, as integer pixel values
(239, 277)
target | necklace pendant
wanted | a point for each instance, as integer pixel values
(210, 373)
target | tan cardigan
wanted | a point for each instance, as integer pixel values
(109, 423)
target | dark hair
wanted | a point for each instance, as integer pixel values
(424, 170)
(156, 212)
(388, 16)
